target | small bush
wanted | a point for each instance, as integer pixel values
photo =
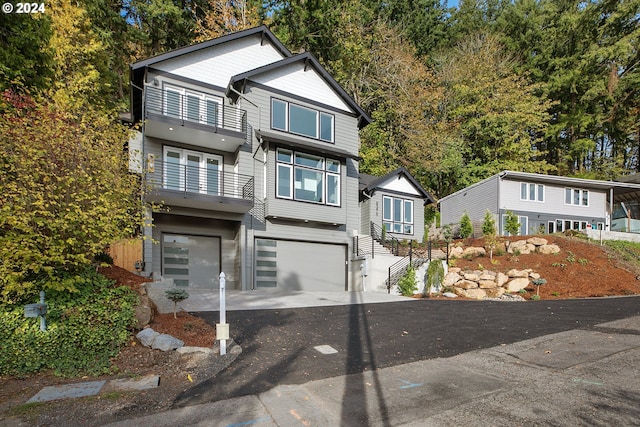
(407, 284)
(435, 276)
(466, 228)
(84, 330)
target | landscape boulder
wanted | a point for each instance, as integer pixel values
(548, 249)
(517, 284)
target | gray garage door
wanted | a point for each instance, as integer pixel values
(300, 266)
(191, 260)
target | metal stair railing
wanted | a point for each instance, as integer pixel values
(382, 237)
(399, 269)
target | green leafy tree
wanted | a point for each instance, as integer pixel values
(466, 228)
(490, 233)
(512, 223)
(497, 115)
(25, 56)
(65, 194)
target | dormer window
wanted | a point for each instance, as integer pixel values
(293, 118)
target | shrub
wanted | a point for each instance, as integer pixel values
(407, 284)
(435, 276)
(84, 330)
(466, 228)
(512, 224)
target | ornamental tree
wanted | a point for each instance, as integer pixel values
(65, 194)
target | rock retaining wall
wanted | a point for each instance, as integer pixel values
(481, 284)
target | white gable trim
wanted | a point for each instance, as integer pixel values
(400, 184)
(293, 79)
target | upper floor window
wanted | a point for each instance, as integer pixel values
(186, 104)
(576, 197)
(293, 118)
(397, 215)
(531, 192)
(308, 178)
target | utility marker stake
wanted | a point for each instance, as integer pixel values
(222, 328)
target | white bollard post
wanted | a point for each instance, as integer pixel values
(222, 329)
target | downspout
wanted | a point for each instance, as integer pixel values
(609, 210)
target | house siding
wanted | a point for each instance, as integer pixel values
(227, 60)
(294, 80)
(554, 201)
(475, 200)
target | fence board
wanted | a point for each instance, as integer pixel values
(126, 252)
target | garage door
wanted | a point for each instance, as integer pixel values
(300, 266)
(191, 260)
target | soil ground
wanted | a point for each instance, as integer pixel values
(580, 270)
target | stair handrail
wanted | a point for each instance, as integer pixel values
(382, 237)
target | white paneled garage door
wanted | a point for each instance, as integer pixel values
(300, 266)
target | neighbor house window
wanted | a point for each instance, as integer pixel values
(531, 192)
(293, 118)
(308, 178)
(397, 215)
(576, 197)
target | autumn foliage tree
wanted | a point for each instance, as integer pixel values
(65, 194)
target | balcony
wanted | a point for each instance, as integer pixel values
(197, 187)
(194, 118)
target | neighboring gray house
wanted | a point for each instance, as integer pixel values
(543, 203)
(394, 202)
(253, 152)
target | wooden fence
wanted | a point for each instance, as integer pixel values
(126, 252)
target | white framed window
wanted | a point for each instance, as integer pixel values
(193, 106)
(307, 178)
(524, 223)
(192, 171)
(532, 192)
(576, 197)
(305, 121)
(397, 215)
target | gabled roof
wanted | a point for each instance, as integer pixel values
(262, 30)
(137, 69)
(370, 183)
(238, 81)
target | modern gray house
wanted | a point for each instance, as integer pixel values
(252, 154)
(394, 202)
(543, 203)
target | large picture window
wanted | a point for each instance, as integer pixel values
(293, 118)
(397, 215)
(307, 178)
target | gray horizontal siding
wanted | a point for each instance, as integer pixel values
(475, 200)
(554, 201)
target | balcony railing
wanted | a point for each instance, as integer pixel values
(206, 181)
(197, 108)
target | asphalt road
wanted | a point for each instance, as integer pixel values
(278, 345)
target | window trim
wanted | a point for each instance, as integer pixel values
(183, 106)
(582, 193)
(318, 125)
(324, 171)
(402, 223)
(538, 192)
